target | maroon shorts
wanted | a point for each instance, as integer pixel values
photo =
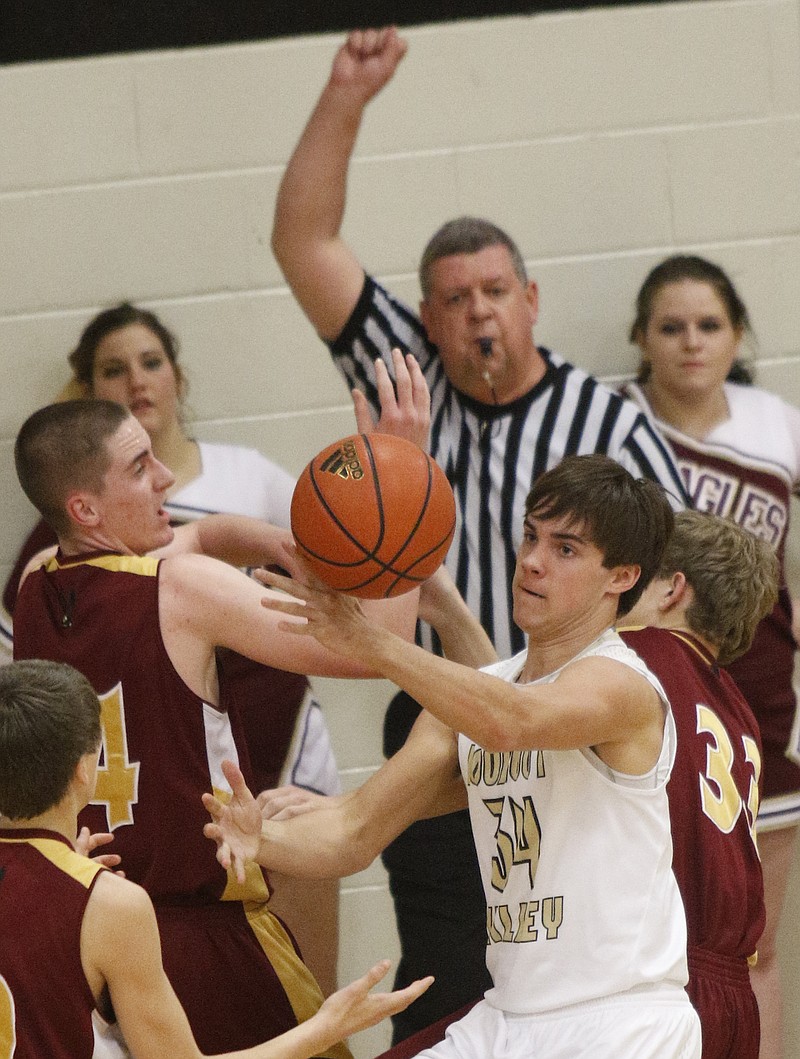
(719, 988)
(237, 973)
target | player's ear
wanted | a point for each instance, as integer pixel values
(532, 296)
(624, 577)
(82, 509)
(674, 595)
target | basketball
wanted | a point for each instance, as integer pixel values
(373, 515)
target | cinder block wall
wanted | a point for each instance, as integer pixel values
(601, 139)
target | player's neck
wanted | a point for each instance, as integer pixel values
(62, 818)
(679, 626)
(547, 656)
(85, 543)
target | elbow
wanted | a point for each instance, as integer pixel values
(361, 852)
(497, 736)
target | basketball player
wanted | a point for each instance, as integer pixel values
(565, 752)
(76, 939)
(144, 631)
(504, 410)
(716, 581)
(714, 584)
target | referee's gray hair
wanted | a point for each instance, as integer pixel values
(466, 235)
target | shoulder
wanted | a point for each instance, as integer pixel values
(646, 638)
(386, 317)
(614, 663)
(188, 578)
(117, 908)
(753, 400)
(118, 924)
(36, 562)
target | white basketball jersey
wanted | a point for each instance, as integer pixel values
(576, 866)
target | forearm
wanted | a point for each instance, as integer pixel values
(233, 539)
(421, 780)
(487, 709)
(397, 615)
(311, 197)
(462, 636)
(324, 844)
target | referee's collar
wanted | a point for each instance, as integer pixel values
(487, 410)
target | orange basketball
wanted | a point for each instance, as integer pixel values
(373, 515)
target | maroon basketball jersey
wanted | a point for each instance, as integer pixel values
(46, 1004)
(757, 497)
(713, 793)
(162, 745)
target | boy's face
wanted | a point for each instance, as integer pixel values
(560, 580)
(133, 518)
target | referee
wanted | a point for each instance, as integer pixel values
(503, 411)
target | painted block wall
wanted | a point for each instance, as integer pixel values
(601, 139)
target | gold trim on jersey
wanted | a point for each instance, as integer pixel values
(8, 1032)
(126, 564)
(298, 983)
(78, 867)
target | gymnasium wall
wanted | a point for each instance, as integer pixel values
(602, 139)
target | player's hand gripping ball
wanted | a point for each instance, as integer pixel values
(373, 515)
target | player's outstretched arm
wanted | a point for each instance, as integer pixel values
(494, 713)
(235, 539)
(120, 948)
(354, 1008)
(346, 834)
(321, 269)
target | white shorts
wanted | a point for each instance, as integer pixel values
(652, 1024)
(310, 761)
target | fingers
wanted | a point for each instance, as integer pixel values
(365, 423)
(366, 43)
(412, 992)
(110, 860)
(214, 832)
(301, 588)
(86, 842)
(282, 803)
(375, 974)
(233, 774)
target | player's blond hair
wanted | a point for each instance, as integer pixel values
(734, 576)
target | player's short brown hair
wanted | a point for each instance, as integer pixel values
(49, 718)
(629, 519)
(61, 448)
(733, 574)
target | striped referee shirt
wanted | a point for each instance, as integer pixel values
(492, 453)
